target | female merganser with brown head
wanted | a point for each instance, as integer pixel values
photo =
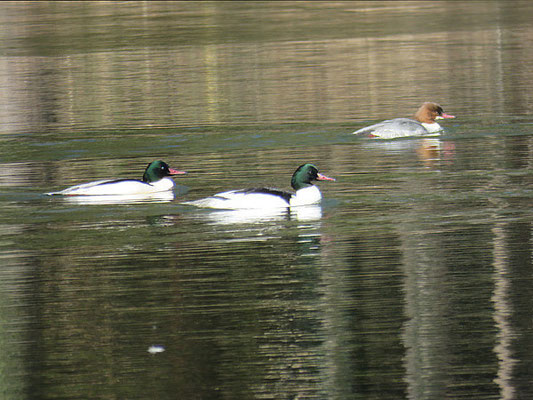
(424, 123)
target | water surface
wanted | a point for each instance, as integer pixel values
(412, 279)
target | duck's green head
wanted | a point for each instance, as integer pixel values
(305, 174)
(158, 170)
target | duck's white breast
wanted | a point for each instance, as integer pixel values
(306, 196)
(432, 128)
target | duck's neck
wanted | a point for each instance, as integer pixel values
(423, 116)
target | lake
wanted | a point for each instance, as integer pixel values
(411, 280)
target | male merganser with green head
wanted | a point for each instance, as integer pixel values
(155, 179)
(423, 124)
(305, 193)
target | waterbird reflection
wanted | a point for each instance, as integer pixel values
(258, 216)
(429, 150)
(254, 225)
(160, 197)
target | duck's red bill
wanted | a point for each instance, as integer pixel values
(176, 172)
(321, 177)
(444, 115)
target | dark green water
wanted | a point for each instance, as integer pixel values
(411, 280)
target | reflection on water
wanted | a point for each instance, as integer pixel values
(432, 152)
(15, 317)
(502, 312)
(412, 279)
(208, 63)
(258, 216)
(160, 197)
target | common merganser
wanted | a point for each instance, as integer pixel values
(423, 124)
(306, 193)
(155, 179)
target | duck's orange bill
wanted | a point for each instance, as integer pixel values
(321, 177)
(176, 172)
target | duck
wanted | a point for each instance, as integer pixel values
(155, 179)
(424, 123)
(267, 198)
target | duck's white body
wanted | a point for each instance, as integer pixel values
(113, 187)
(423, 124)
(260, 198)
(399, 127)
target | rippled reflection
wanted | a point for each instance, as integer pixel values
(161, 197)
(255, 216)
